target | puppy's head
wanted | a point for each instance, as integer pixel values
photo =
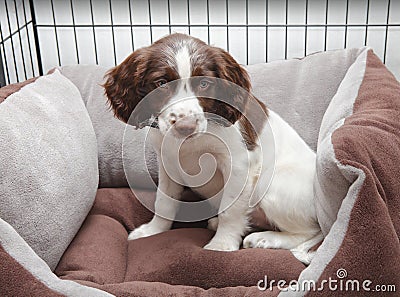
(185, 79)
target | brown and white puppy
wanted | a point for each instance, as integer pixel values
(196, 109)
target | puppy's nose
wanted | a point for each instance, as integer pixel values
(186, 126)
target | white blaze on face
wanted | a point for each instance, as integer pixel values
(184, 103)
(183, 63)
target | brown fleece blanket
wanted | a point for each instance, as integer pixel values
(101, 256)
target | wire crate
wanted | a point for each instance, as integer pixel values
(36, 35)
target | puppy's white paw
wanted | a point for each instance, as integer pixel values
(303, 256)
(263, 240)
(222, 245)
(144, 231)
(213, 224)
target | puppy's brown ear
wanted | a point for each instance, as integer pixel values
(231, 71)
(123, 85)
(244, 106)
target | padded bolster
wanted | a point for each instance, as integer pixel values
(48, 169)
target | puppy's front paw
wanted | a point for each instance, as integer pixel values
(222, 245)
(143, 231)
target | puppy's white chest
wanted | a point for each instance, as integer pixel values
(199, 165)
(204, 162)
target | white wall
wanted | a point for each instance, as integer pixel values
(258, 14)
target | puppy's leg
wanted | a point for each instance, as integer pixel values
(298, 244)
(232, 225)
(163, 206)
(302, 252)
(213, 224)
(232, 222)
(275, 240)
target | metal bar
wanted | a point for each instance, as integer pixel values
(266, 30)
(20, 39)
(150, 22)
(224, 25)
(326, 24)
(347, 24)
(169, 16)
(227, 24)
(2, 76)
(366, 22)
(306, 30)
(14, 32)
(74, 28)
(286, 29)
(28, 38)
(94, 32)
(36, 37)
(208, 21)
(5, 60)
(188, 15)
(247, 32)
(386, 32)
(55, 31)
(112, 33)
(12, 42)
(131, 23)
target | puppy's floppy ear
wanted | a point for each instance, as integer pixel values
(244, 106)
(230, 70)
(123, 86)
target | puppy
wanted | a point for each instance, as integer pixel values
(202, 105)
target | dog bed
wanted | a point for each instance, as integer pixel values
(66, 207)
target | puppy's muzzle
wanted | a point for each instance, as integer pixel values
(186, 125)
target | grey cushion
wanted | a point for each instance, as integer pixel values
(300, 90)
(48, 164)
(110, 131)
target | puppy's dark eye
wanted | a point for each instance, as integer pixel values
(204, 84)
(162, 83)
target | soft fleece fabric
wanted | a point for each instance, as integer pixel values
(142, 169)
(48, 164)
